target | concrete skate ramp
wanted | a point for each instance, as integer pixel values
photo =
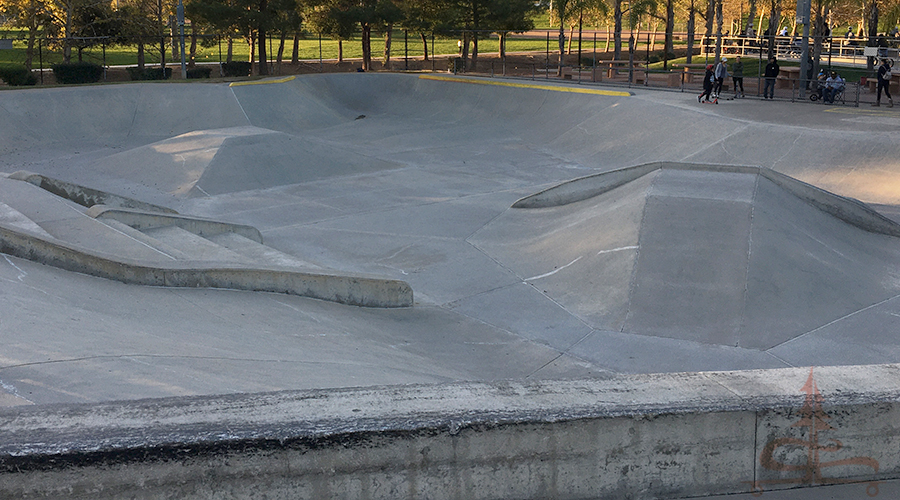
(708, 254)
(210, 162)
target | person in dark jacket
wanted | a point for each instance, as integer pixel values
(884, 82)
(708, 81)
(771, 73)
(737, 76)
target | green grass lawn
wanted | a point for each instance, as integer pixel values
(309, 48)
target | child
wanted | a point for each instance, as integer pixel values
(708, 81)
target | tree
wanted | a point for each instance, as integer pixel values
(285, 19)
(139, 24)
(34, 16)
(510, 16)
(562, 10)
(331, 18)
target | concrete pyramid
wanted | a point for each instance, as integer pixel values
(736, 256)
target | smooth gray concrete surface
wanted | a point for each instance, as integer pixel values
(404, 178)
(414, 180)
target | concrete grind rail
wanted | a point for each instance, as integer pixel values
(531, 348)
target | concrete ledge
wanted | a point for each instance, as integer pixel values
(645, 436)
(847, 209)
(142, 220)
(348, 289)
(84, 196)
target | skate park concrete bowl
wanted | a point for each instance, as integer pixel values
(615, 258)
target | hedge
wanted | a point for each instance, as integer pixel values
(17, 75)
(236, 68)
(149, 73)
(77, 72)
(199, 72)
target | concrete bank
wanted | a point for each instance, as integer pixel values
(646, 436)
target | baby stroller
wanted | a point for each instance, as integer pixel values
(820, 88)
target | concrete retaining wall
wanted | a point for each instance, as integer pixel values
(648, 436)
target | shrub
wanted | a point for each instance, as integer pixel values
(236, 68)
(17, 75)
(149, 73)
(77, 72)
(199, 72)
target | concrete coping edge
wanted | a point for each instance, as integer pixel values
(106, 430)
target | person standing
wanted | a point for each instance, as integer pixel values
(708, 80)
(721, 74)
(771, 73)
(737, 76)
(884, 82)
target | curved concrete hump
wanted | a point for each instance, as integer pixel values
(347, 289)
(740, 257)
(847, 209)
(84, 196)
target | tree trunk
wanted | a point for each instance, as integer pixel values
(192, 62)
(340, 50)
(67, 44)
(261, 34)
(388, 36)
(29, 50)
(502, 45)
(562, 48)
(617, 34)
(229, 50)
(424, 46)
(465, 50)
(571, 37)
(281, 41)
(873, 33)
(608, 35)
(750, 17)
(140, 54)
(774, 16)
(252, 48)
(653, 37)
(295, 52)
(367, 46)
(691, 25)
(669, 46)
(719, 21)
(474, 50)
(173, 32)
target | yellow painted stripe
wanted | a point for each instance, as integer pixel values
(863, 112)
(262, 82)
(554, 88)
